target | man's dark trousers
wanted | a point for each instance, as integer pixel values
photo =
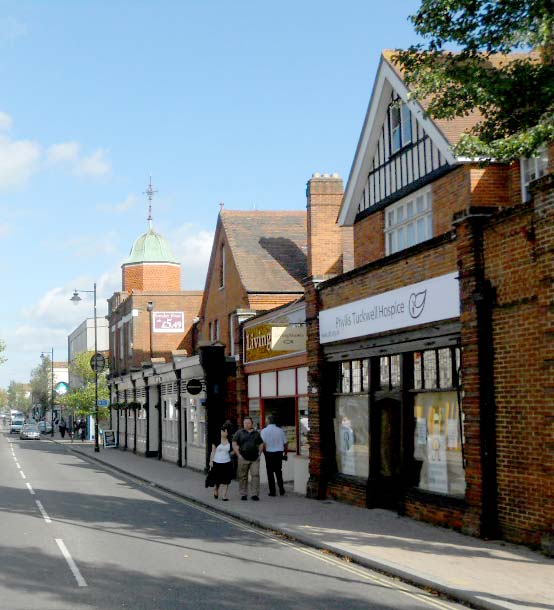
(273, 464)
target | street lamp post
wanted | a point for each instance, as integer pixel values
(76, 299)
(42, 355)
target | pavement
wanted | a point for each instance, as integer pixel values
(493, 575)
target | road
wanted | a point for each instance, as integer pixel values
(75, 536)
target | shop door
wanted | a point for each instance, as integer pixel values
(385, 455)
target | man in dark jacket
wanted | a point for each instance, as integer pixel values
(247, 444)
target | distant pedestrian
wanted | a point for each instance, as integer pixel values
(247, 443)
(275, 451)
(221, 463)
(82, 427)
(62, 427)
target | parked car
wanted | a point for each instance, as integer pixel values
(16, 424)
(30, 432)
(45, 427)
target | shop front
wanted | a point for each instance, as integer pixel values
(392, 387)
(276, 372)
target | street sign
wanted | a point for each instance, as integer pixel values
(97, 363)
(103, 402)
(194, 386)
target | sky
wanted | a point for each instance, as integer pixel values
(217, 100)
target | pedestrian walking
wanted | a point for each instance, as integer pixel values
(62, 427)
(221, 464)
(247, 444)
(275, 451)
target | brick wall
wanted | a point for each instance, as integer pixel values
(324, 234)
(151, 276)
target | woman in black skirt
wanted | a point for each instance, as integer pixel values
(221, 464)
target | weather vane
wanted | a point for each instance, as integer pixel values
(150, 192)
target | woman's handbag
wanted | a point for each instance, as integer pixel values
(210, 482)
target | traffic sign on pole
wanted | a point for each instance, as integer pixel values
(98, 362)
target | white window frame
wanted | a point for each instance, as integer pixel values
(532, 168)
(404, 130)
(409, 221)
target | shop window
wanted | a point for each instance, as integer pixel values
(302, 376)
(284, 412)
(438, 442)
(269, 384)
(287, 382)
(303, 426)
(353, 377)
(352, 434)
(435, 369)
(196, 422)
(253, 386)
(389, 367)
(254, 412)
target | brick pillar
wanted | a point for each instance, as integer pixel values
(543, 199)
(476, 300)
(325, 236)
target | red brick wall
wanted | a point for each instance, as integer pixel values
(146, 276)
(324, 234)
(162, 343)
(220, 303)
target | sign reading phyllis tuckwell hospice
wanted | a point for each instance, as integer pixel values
(421, 303)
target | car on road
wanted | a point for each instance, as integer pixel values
(45, 427)
(29, 432)
(16, 424)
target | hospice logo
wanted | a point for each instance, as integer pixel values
(416, 303)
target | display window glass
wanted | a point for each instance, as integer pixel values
(438, 441)
(284, 412)
(196, 422)
(352, 434)
(303, 426)
(254, 412)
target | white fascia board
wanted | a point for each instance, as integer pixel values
(386, 79)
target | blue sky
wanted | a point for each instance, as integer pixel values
(234, 101)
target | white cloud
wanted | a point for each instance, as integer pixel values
(192, 247)
(18, 161)
(101, 244)
(95, 165)
(122, 206)
(6, 121)
(64, 152)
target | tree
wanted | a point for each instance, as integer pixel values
(3, 398)
(82, 400)
(19, 396)
(2, 349)
(514, 94)
(41, 382)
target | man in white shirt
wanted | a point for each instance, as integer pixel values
(275, 450)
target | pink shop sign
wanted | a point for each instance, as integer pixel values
(169, 321)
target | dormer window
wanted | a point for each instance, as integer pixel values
(400, 125)
(532, 169)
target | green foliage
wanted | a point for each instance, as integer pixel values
(2, 349)
(41, 382)
(3, 398)
(514, 95)
(19, 396)
(82, 400)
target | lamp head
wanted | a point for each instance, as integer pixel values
(75, 298)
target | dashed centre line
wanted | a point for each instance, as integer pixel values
(43, 512)
(30, 488)
(22, 474)
(72, 565)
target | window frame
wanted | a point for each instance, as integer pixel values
(402, 227)
(540, 165)
(404, 127)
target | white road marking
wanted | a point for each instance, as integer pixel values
(22, 474)
(43, 512)
(422, 597)
(18, 465)
(31, 490)
(72, 565)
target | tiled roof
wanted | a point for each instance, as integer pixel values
(454, 128)
(269, 249)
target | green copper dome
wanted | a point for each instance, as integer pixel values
(151, 248)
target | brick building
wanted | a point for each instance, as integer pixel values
(430, 365)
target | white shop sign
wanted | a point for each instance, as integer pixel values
(421, 303)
